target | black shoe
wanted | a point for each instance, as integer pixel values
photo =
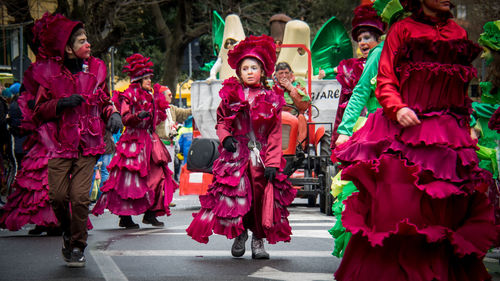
(127, 222)
(77, 258)
(238, 248)
(38, 230)
(66, 251)
(151, 220)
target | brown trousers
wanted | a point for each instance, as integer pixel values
(69, 182)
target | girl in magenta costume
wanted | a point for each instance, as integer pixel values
(248, 116)
(421, 212)
(367, 27)
(29, 201)
(139, 179)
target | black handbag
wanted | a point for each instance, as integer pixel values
(202, 154)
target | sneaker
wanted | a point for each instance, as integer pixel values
(152, 221)
(66, 251)
(238, 248)
(258, 251)
(127, 222)
(77, 258)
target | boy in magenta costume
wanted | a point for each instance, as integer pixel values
(367, 27)
(140, 181)
(71, 100)
(421, 212)
(249, 129)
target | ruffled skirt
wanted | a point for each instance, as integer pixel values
(421, 212)
(139, 178)
(29, 201)
(233, 201)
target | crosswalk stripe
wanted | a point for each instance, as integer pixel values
(214, 253)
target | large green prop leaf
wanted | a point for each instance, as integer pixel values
(331, 45)
(217, 32)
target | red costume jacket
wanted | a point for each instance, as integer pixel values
(82, 128)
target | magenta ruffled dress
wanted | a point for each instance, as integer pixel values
(234, 200)
(139, 177)
(29, 201)
(421, 212)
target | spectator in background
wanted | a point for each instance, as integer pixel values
(167, 130)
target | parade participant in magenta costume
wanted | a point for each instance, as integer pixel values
(71, 101)
(421, 212)
(139, 180)
(248, 116)
(29, 201)
(363, 96)
(367, 27)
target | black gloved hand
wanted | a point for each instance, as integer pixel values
(229, 144)
(115, 123)
(69, 102)
(143, 114)
(31, 104)
(270, 173)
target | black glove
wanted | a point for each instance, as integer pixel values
(69, 102)
(115, 123)
(143, 114)
(31, 104)
(229, 144)
(270, 173)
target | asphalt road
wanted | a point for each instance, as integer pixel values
(169, 254)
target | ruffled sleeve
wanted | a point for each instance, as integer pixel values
(387, 91)
(229, 94)
(129, 119)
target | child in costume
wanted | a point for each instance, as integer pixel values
(367, 27)
(71, 101)
(421, 212)
(249, 129)
(139, 178)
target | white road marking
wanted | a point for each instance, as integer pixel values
(308, 233)
(270, 273)
(145, 232)
(110, 271)
(327, 224)
(310, 217)
(213, 253)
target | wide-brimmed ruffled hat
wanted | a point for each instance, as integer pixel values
(490, 38)
(366, 16)
(52, 33)
(259, 47)
(138, 67)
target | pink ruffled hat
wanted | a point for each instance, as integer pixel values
(366, 16)
(259, 47)
(52, 32)
(138, 67)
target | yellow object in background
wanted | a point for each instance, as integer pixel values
(185, 91)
